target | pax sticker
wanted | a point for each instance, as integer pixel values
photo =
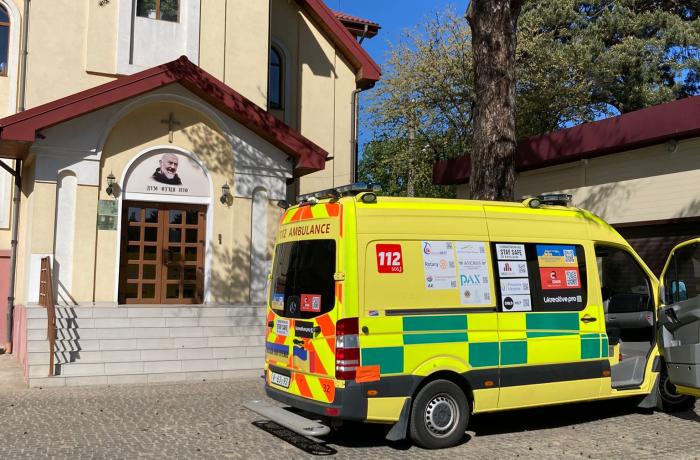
(311, 303)
(389, 258)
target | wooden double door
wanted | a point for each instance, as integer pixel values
(162, 253)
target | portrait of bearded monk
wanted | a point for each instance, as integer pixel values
(166, 173)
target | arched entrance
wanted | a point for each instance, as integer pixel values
(165, 199)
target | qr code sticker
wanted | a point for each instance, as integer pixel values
(571, 278)
(453, 283)
(448, 245)
(485, 279)
(522, 269)
(526, 303)
(569, 256)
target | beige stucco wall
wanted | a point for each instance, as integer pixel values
(101, 38)
(639, 185)
(320, 90)
(4, 95)
(58, 37)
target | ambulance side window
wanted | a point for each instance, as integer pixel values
(540, 277)
(624, 284)
(682, 279)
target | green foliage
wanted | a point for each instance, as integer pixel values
(387, 163)
(576, 61)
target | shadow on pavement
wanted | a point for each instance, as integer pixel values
(558, 416)
(361, 435)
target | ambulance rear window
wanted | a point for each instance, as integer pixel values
(302, 278)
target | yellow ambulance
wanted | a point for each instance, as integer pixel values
(419, 312)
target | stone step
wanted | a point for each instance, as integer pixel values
(40, 324)
(248, 337)
(37, 312)
(84, 336)
(148, 367)
(120, 356)
(144, 378)
(138, 332)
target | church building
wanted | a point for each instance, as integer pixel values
(147, 147)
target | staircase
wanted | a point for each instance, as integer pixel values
(98, 345)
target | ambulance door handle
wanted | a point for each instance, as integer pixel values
(588, 319)
(271, 324)
(365, 330)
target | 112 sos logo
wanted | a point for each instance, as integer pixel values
(389, 258)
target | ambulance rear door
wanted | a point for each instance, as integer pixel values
(679, 317)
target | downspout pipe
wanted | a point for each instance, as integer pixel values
(25, 53)
(354, 132)
(16, 193)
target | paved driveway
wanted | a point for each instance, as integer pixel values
(205, 420)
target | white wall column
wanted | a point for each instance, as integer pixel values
(259, 259)
(67, 188)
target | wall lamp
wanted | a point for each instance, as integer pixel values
(226, 197)
(110, 184)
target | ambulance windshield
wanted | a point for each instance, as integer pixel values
(302, 278)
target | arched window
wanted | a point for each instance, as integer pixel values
(4, 40)
(275, 80)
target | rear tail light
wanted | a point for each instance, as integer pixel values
(347, 348)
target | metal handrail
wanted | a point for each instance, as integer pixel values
(48, 301)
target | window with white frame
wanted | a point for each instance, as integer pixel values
(164, 10)
(4, 40)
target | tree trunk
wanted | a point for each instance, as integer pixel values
(493, 24)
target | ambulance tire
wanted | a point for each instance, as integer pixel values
(439, 415)
(669, 399)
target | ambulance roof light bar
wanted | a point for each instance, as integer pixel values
(337, 192)
(552, 199)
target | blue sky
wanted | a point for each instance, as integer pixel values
(394, 17)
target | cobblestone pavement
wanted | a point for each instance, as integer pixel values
(205, 420)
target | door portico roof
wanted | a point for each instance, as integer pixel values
(19, 131)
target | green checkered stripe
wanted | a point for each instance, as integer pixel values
(445, 329)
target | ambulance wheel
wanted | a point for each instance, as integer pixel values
(439, 415)
(670, 400)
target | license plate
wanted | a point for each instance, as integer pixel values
(279, 379)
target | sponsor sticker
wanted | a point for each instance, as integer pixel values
(472, 265)
(277, 301)
(439, 264)
(560, 278)
(277, 349)
(517, 303)
(553, 255)
(510, 252)
(282, 327)
(515, 286)
(512, 269)
(304, 329)
(311, 303)
(389, 258)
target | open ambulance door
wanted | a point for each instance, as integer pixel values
(679, 317)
